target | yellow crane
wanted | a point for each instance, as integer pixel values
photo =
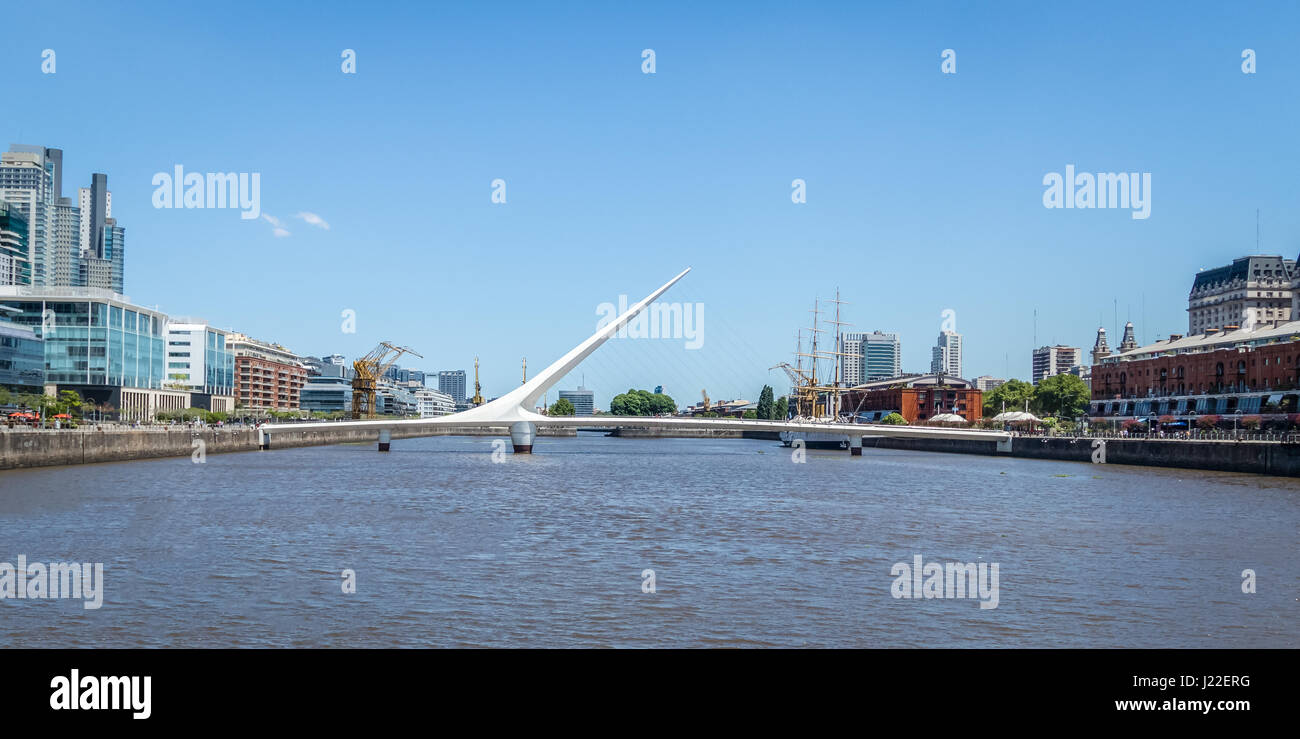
(477, 400)
(705, 393)
(368, 370)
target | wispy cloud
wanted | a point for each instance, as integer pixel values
(279, 231)
(314, 220)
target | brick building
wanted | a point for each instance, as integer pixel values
(917, 398)
(1238, 371)
(267, 376)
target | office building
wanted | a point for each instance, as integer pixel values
(99, 344)
(985, 383)
(452, 382)
(1250, 292)
(22, 355)
(945, 357)
(327, 393)
(199, 360)
(583, 400)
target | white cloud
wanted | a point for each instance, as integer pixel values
(314, 220)
(279, 231)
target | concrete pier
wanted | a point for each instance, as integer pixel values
(521, 436)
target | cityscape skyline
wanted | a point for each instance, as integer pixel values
(874, 176)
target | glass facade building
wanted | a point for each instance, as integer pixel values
(92, 337)
(22, 358)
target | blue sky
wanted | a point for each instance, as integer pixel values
(924, 190)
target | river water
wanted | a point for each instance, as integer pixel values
(451, 548)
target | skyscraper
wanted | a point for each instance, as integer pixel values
(945, 357)
(27, 178)
(882, 356)
(15, 259)
(870, 356)
(68, 245)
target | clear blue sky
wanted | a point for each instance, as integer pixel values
(924, 189)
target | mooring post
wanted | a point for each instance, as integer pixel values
(385, 439)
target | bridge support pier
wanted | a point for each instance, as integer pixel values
(855, 445)
(521, 436)
(385, 439)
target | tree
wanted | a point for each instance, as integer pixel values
(894, 419)
(749, 414)
(69, 401)
(1012, 394)
(765, 402)
(1062, 395)
(642, 403)
(780, 409)
(561, 407)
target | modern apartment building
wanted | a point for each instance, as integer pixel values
(1252, 291)
(267, 376)
(985, 383)
(15, 254)
(945, 357)
(1054, 360)
(452, 382)
(431, 403)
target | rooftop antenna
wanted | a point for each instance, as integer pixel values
(1257, 230)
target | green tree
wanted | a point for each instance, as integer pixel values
(1012, 393)
(1062, 395)
(661, 403)
(894, 419)
(749, 414)
(765, 402)
(641, 403)
(780, 409)
(69, 401)
(561, 407)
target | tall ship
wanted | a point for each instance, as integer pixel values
(816, 392)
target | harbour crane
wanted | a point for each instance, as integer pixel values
(368, 370)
